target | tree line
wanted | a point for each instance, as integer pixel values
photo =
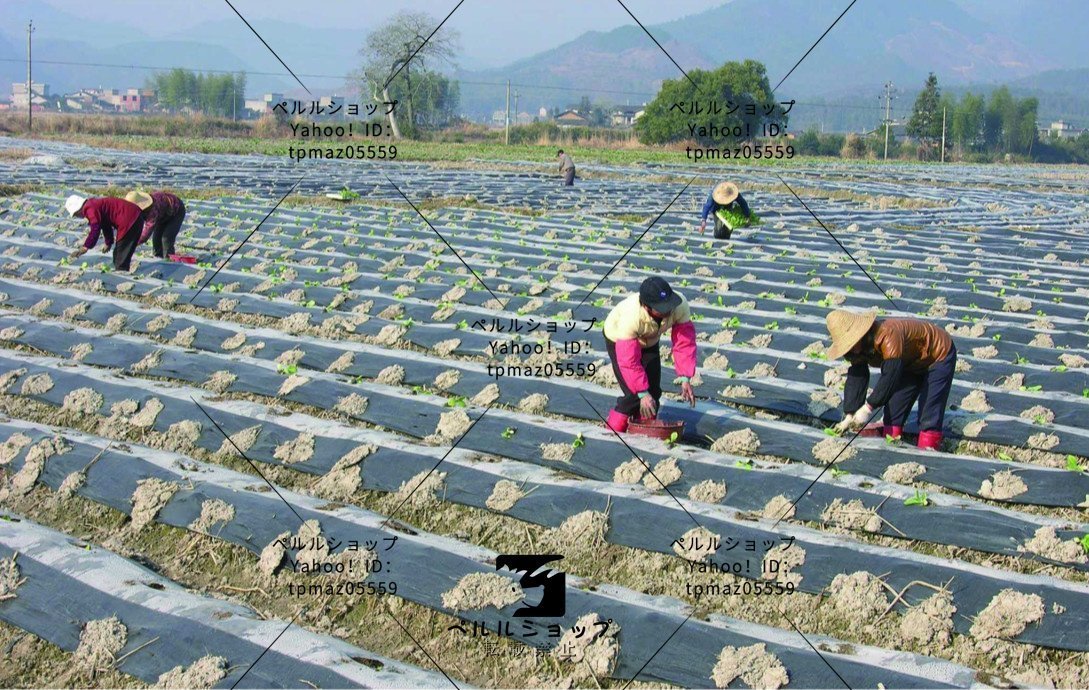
(182, 90)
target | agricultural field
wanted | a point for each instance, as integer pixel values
(298, 467)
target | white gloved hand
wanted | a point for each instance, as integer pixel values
(862, 415)
(845, 425)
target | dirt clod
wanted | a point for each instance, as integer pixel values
(504, 495)
(1008, 614)
(202, 673)
(424, 488)
(85, 401)
(976, 401)
(298, 449)
(852, 515)
(930, 621)
(353, 405)
(858, 598)
(741, 441)
(453, 424)
(831, 448)
(592, 649)
(146, 417)
(903, 472)
(707, 491)
(778, 564)
(557, 452)
(755, 665)
(212, 512)
(480, 590)
(10, 448)
(1003, 485)
(220, 381)
(487, 395)
(534, 404)
(36, 384)
(1046, 543)
(779, 508)
(697, 544)
(151, 495)
(99, 642)
(9, 578)
(666, 472)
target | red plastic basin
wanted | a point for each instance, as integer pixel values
(655, 428)
(183, 259)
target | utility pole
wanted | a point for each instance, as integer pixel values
(29, 81)
(506, 131)
(515, 106)
(888, 121)
(943, 133)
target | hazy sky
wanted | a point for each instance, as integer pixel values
(494, 32)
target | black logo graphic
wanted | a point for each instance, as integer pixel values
(554, 598)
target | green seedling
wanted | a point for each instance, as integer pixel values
(1084, 542)
(744, 464)
(579, 442)
(287, 369)
(458, 401)
(1004, 456)
(838, 473)
(672, 440)
(919, 499)
(1033, 389)
(734, 322)
(509, 432)
(1073, 465)
(832, 431)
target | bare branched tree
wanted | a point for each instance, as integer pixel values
(399, 47)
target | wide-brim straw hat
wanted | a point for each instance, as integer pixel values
(141, 199)
(725, 193)
(846, 329)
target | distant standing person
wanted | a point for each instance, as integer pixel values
(725, 195)
(632, 331)
(567, 168)
(163, 217)
(106, 216)
(917, 361)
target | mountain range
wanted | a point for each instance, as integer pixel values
(1035, 47)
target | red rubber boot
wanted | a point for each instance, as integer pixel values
(894, 431)
(930, 440)
(617, 421)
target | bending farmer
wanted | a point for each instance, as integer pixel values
(107, 215)
(567, 168)
(917, 361)
(163, 216)
(632, 330)
(725, 199)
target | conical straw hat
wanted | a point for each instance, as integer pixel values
(846, 329)
(725, 193)
(141, 199)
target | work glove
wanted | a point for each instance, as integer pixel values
(648, 407)
(80, 251)
(862, 415)
(106, 248)
(687, 395)
(845, 426)
(703, 226)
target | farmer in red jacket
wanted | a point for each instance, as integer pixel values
(632, 331)
(107, 216)
(163, 217)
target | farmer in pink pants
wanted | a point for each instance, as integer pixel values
(632, 331)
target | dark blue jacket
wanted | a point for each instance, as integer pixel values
(710, 206)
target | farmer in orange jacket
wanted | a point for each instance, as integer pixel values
(917, 361)
(632, 331)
